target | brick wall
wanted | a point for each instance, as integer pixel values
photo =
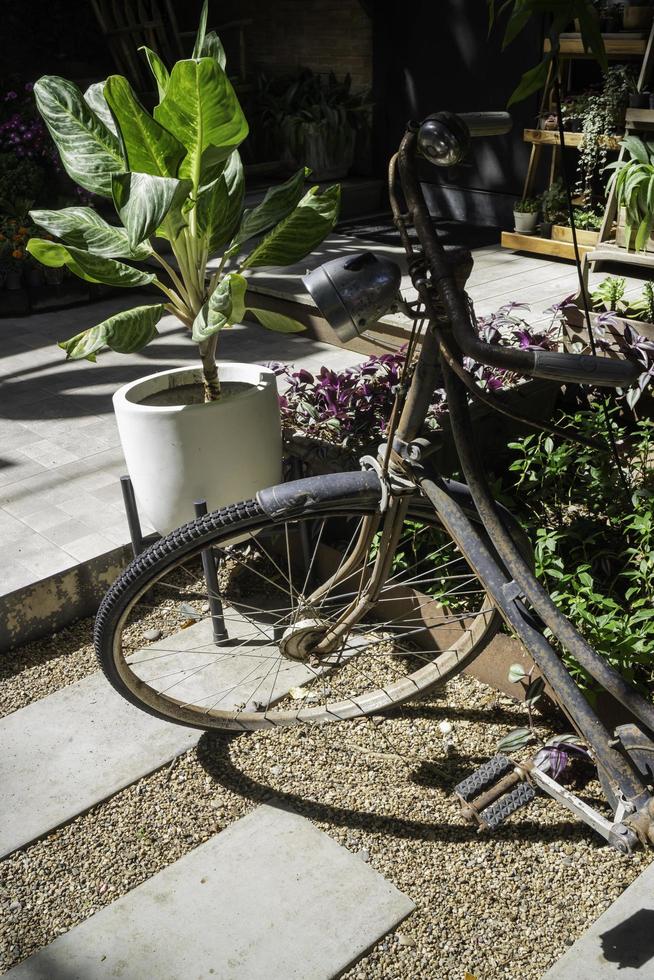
(325, 35)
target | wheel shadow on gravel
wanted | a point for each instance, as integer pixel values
(214, 755)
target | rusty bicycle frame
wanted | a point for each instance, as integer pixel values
(624, 763)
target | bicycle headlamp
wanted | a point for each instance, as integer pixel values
(352, 292)
(443, 139)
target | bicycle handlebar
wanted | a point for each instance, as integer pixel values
(443, 139)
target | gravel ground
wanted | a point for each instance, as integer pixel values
(499, 907)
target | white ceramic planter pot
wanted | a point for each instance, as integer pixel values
(525, 222)
(221, 452)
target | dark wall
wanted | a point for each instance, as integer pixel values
(437, 55)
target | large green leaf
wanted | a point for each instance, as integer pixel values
(220, 204)
(299, 233)
(85, 229)
(94, 97)
(159, 71)
(150, 148)
(89, 152)
(202, 30)
(277, 321)
(143, 201)
(213, 48)
(200, 107)
(225, 306)
(124, 332)
(276, 205)
(93, 268)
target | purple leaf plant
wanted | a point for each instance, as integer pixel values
(352, 407)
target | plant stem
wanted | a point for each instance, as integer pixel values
(176, 281)
(210, 369)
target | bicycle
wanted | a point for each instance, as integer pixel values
(340, 596)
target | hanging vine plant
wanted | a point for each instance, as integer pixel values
(603, 116)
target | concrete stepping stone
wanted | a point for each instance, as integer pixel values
(270, 897)
(65, 753)
(620, 944)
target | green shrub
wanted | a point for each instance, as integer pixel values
(594, 544)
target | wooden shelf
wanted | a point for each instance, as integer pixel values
(610, 252)
(541, 246)
(616, 47)
(640, 118)
(550, 137)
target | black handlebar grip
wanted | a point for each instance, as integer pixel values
(584, 369)
(486, 123)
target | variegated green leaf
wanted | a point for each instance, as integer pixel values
(202, 30)
(277, 321)
(84, 228)
(93, 268)
(213, 48)
(299, 233)
(94, 97)
(276, 205)
(143, 201)
(515, 740)
(220, 204)
(124, 332)
(159, 71)
(225, 306)
(201, 109)
(516, 673)
(150, 148)
(89, 152)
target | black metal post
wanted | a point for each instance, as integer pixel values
(211, 578)
(297, 472)
(133, 522)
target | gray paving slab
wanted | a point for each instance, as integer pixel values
(620, 944)
(269, 898)
(72, 749)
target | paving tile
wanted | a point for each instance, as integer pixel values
(620, 944)
(67, 532)
(270, 897)
(11, 528)
(88, 545)
(14, 575)
(41, 556)
(15, 467)
(50, 453)
(44, 518)
(72, 749)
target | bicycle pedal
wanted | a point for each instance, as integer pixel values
(483, 778)
(492, 816)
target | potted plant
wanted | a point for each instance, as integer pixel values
(554, 206)
(175, 176)
(315, 119)
(525, 215)
(587, 221)
(633, 181)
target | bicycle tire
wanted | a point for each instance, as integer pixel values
(230, 524)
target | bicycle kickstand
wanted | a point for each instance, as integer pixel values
(500, 787)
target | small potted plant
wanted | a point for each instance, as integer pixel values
(525, 215)
(554, 204)
(175, 176)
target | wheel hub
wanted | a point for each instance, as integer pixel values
(299, 640)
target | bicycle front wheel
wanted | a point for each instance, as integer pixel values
(155, 636)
